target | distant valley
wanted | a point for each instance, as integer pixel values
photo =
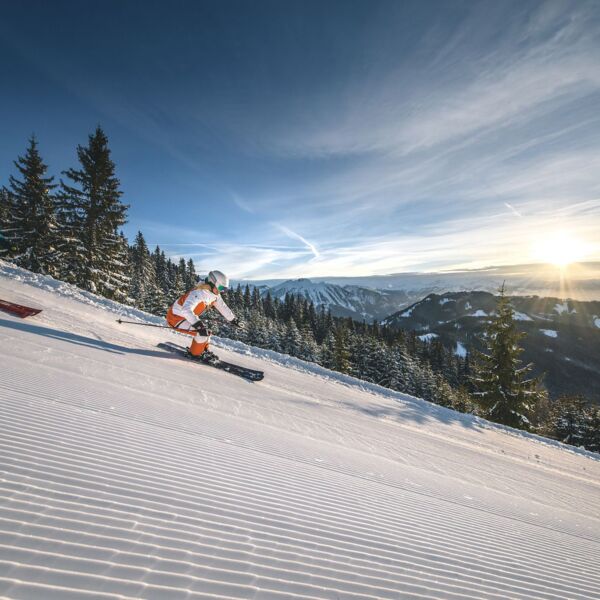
(562, 337)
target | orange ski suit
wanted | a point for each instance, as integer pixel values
(186, 310)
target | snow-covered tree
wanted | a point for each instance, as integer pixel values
(574, 421)
(505, 393)
(341, 353)
(183, 274)
(192, 278)
(592, 438)
(257, 331)
(143, 274)
(94, 213)
(293, 339)
(161, 269)
(177, 284)
(30, 219)
(118, 271)
(5, 209)
(308, 347)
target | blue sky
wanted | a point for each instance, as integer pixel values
(289, 139)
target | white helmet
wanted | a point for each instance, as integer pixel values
(218, 279)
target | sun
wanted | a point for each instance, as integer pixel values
(560, 249)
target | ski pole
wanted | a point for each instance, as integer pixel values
(120, 321)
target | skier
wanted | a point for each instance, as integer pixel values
(184, 314)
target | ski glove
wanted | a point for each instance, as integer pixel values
(200, 327)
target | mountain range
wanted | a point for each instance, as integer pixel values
(377, 297)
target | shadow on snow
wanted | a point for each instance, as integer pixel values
(79, 340)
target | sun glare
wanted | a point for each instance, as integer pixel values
(560, 249)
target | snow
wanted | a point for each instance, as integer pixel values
(460, 350)
(596, 321)
(519, 316)
(427, 337)
(479, 313)
(407, 313)
(127, 472)
(563, 308)
(468, 306)
(550, 332)
(446, 300)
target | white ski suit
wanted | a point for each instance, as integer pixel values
(186, 310)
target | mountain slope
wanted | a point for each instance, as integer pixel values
(127, 472)
(359, 303)
(563, 336)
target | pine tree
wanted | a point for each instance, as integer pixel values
(160, 269)
(341, 353)
(309, 350)
(31, 221)
(5, 210)
(592, 437)
(571, 420)
(93, 213)
(504, 393)
(256, 301)
(177, 288)
(358, 351)
(143, 274)
(118, 271)
(376, 367)
(292, 342)
(192, 278)
(257, 334)
(327, 356)
(269, 306)
(247, 301)
(70, 245)
(155, 301)
(183, 274)
(390, 373)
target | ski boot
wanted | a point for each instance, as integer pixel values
(208, 357)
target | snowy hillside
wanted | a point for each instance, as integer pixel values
(128, 472)
(569, 361)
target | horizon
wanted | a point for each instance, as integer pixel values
(291, 141)
(539, 267)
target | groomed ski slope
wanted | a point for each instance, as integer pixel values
(127, 472)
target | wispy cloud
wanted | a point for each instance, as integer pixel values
(534, 62)
(513, 209)
(241, 203)
(295, 236)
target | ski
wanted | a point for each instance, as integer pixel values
(245, 373)
(18, 310)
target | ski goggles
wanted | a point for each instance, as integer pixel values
(221, 288)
